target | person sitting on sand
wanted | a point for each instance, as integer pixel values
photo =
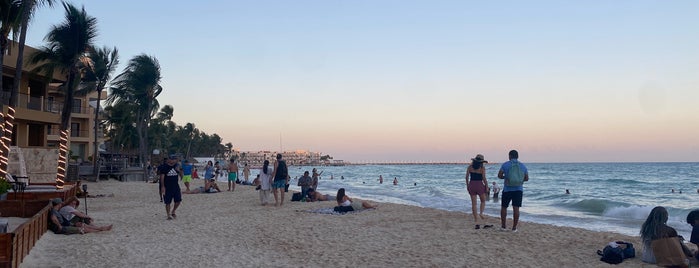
(345, 201)
(209, 187)
(693, 220)
(314, 196)
(72, 214)
(60, 225)
(655, 228)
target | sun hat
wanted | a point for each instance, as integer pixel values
(479, 158)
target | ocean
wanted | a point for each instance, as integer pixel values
(609, 197)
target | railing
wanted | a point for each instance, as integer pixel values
(80, 110)
(33, 103)
(55, 130)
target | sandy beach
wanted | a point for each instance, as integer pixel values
(231, 229)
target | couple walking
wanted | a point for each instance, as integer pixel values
(513, 172)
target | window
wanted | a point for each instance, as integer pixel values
(36, 135)
(75, 129)
(77, 106)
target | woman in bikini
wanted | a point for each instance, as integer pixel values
(344, 200)
(476, 184)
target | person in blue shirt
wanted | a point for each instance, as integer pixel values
(511, 193)
(187, 173)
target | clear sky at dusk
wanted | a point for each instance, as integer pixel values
(561, 81)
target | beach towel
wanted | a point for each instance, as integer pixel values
(333, 212)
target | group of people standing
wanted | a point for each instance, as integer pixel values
(514, 174)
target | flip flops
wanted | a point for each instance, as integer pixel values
(487, 226)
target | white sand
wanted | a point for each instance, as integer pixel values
(231, 229)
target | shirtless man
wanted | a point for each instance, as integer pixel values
(232, 174)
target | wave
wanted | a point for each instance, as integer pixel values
(594, 206)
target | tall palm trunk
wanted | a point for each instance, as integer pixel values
(65, 123)
(4, 147)
(143, 139)
(95, 155)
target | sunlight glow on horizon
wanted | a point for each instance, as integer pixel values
(415, 80)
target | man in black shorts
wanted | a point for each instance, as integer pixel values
(513, 190)
(170, 174)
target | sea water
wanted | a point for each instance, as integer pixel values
(610, 197)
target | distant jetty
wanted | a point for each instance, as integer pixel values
(407, 163)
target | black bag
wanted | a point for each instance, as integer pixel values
(343, 209)
(296, 197)
(616, 255)
(629, 251)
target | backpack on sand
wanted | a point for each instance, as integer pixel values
(515, 175)
(614, 253)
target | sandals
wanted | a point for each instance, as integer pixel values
(478, 226)
(487, 226)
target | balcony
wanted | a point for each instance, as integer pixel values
(34, 108)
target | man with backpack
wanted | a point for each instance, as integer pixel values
(515, 174)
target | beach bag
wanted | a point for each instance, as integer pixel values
(515, 175)
(629, 250)
(668, 252)
(296, 197)
(612, 253)
(343, 209)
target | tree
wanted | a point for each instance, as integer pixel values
(27, 10)
(68, 44)
(10, 14)
(100, 63)
(139, 84)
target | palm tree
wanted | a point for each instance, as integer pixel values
(139, 84)
(101, 63)
(10, 15)
(68, 44)
(27, 9)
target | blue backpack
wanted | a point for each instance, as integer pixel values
(515, 175)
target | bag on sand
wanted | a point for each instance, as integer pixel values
(296, 197)
(343, 209)
(612, 253)
(515, 175)
(668, 252)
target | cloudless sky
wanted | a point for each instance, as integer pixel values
(561, 81)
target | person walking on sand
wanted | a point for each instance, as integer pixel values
(315, 176)
(169, 179)
(281, 179)
(476, 184)
(232, 174)
(246, 174)
(515, 174)
(187, 173)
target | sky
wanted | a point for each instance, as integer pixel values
(402, 80)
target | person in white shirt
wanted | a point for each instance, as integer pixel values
(496, 190)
